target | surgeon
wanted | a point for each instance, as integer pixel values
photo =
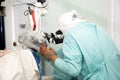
(88, 53)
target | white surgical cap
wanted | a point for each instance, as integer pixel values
(68, 20)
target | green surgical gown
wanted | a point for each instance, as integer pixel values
(88, 53)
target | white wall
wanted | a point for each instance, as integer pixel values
(93, 10)
(116, 22)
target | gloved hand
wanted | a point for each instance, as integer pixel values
(48, 53)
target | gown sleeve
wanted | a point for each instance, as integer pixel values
(72, 62)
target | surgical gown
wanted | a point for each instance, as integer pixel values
(88, 54)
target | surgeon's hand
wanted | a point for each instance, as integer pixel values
(48, 53)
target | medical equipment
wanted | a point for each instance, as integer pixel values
(42, 1)
(31, 41)
(56, 38)
(34, 40)
(33, 35)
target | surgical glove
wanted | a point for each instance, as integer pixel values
(48, 53)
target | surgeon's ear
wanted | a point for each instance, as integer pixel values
(74, 16)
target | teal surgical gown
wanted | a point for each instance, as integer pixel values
(88, 53)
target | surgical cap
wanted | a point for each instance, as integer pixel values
(68, 20)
